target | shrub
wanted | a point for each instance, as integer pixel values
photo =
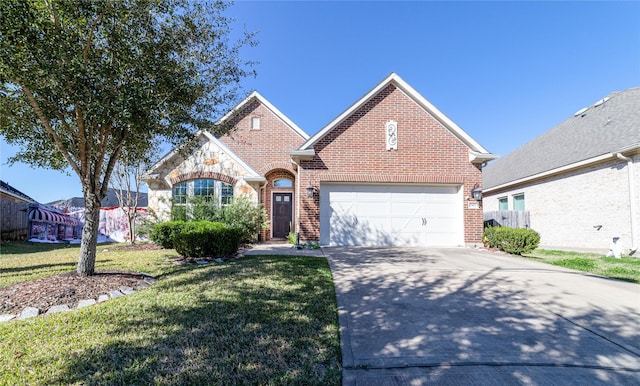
(242, 213)
(179, 213)
(248, 216)
(146, 225)
(512, 240)
(163, 233)
(207, 239)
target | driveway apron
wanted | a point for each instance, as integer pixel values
(458, 316)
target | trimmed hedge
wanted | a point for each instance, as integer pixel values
(207, 239)
(512, 240)
(163, 233)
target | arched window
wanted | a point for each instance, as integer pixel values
(283, 183)
(210, 189)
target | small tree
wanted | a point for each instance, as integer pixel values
(82, 82)
(126, 182)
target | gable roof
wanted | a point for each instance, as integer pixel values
(272, 108)
(10, 190)
(393, 79)
(612, 124)
(252, 175)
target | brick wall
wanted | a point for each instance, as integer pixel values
(268, 146)
(266, 150)
(355, 151)
(267, 197)
(580, 209)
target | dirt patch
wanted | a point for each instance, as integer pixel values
(67, 288)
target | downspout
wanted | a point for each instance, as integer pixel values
(298, 171)
(632, 202)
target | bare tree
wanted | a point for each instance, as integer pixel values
(126, 182)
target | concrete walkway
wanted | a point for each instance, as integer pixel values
(281, 249)
(459, 316)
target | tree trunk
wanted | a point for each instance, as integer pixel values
(87, 261)
(132, 225)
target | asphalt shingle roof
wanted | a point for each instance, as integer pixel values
(110, 200)
(10, 189)
(607, 126)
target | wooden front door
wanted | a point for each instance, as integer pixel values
(281, 216)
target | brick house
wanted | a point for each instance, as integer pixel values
(579, 180)
(390, 170)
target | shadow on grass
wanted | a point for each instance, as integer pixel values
(254, 321)
(31, 268)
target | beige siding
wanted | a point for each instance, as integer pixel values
(581, 209)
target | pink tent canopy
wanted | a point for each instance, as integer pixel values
(41, 214)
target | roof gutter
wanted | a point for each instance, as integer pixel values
(632, 201)
(302, 155)
(480, 158)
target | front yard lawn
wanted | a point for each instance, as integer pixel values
(625, 268)
(259, 320)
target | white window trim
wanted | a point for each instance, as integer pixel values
(503, 198)
(191, 190)
(513, 200)
(255, 122)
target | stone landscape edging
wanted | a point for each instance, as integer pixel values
(32, 312)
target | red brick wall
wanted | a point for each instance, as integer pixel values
(355, 151)
(268, 196)
(266, 150)
(269, 146)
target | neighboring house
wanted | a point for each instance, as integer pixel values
(579, 180)
(390, 170)
(110, 200)
(14, 212)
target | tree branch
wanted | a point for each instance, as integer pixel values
(112, 162)
(82, 144)
(85, 51)
(54, 13)
(46, 123)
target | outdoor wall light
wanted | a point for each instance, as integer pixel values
(476, 192)
(310, 191)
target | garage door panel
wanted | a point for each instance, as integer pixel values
(370, 208)
(390, 215)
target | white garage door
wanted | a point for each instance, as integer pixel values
(391, 215)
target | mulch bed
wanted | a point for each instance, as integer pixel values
(67, 288)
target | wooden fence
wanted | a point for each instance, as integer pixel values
(507, 218)
(14, 221)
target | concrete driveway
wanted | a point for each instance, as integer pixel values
(459, 316)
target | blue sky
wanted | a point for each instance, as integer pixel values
(503, 71)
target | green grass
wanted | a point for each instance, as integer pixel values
(21, 261)
(259, 320)
(626, 268)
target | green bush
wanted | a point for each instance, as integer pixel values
(241, 213)
(207, 239)
(163, 233)
(249, 217)
(179, 213)
(512, 240)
